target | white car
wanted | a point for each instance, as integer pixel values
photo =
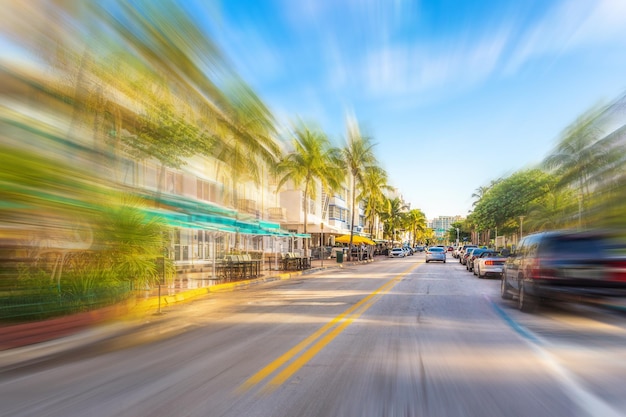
(489, 263)
(397, 253)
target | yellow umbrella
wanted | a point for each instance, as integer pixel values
(356, 240)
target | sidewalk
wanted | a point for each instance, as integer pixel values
(29, 342)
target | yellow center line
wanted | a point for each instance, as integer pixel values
(287, 356)
(295, 366)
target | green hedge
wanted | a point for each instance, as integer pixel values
(44, 303)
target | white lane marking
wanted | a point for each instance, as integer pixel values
(585, 399)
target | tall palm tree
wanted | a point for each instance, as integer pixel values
(394, 216)
(313, 161)
(371, 190)
(358, 154)
(245, 144)
(416, 221)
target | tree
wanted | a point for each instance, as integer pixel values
(582, 155)
(395, 216)
(416, 221)
(510, 198)
(313, 160)
(371, 191)
(358, 154)
(246, 145)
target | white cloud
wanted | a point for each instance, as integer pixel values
(410, 69)
(607, 21)
(570, 26)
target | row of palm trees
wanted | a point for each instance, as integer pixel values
(314, 160)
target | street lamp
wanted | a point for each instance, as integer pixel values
(457, 236)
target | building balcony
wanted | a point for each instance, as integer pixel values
(247, 206)
(277, 213)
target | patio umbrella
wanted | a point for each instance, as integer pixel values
(356, 240)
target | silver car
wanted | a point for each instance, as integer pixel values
(436, 253)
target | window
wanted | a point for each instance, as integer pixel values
(208, 191)
(174, 182)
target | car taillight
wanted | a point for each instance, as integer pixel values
(490, 263)
(617, 270)
(539, 271)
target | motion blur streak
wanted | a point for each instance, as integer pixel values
(102, 107)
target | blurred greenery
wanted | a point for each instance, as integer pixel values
(581, 184)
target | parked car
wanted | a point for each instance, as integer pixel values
(397, 253)
(476, 252)
(463, 250)
(465, 254)
(562, 265)
(436, 253)
(418, 249)
(489, 264)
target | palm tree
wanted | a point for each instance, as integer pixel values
(479, 193)
(246, 143)
(582, 154)
(314, 160)
(395, 216)
(371, 191)
(357, 154)
(416, 221)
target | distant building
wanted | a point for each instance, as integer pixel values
(442, 224)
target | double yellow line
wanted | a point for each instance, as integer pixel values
(339, 323)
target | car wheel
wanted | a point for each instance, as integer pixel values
(478, 274)
(444, 262)
(525, 302)
(426, 260)
(504, 289)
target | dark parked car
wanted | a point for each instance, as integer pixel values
(562, 265)
(476, 252)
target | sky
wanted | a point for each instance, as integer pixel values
(455, 94)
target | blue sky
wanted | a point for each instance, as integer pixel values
(454, 93)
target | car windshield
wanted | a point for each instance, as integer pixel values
(436, 249)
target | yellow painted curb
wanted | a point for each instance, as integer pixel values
(152, 303)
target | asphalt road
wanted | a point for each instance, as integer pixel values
(396, 337)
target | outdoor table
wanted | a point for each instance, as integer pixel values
(235, 267)
(292, 261)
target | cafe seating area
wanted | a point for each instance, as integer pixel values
(238, 267)
(294, 262)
